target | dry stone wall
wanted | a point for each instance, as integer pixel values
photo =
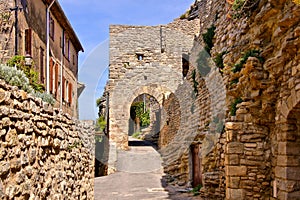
(44, 154)
(252, 167)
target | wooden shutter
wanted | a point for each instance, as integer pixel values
(63, 88)
(28, 36)
(51, 75)
(56, 78)
(70, 93)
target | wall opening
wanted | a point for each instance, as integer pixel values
(140, 56)
(185, 65)
(144, 122)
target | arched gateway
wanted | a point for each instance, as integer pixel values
(143, 60)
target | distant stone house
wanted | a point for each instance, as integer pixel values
(31, 40)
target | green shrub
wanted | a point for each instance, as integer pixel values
(31, 74)
(137, 111)
(101, 123)
(243, 7)
(45, 97)
(208, 38)
(251, 53)
(234, 81)
(219, 60)
(195, 83)
(136, 135)
(234, 104)
(196, 190)
(16, 77)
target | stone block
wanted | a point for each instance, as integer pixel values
(250, 145)
(236, 170)
(288, 148)
(234, 126)
(285, 161)
(232, 159)
(235, 194)
(289, 173)
(234, 182)
(231, 136)
(287, 136)
(252, 138)
(235, 148)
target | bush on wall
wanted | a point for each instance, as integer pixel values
(16, 77)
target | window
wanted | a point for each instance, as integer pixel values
(66, 45)
(56, 79)
(70, 93)
(140, 56)
(67, 91)
(63, 87)
(28, 36)
(51, 28)
(185, 65)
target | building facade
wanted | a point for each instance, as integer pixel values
(24, 32)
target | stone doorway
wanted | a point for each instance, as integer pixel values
(287, 172)
(145, 117)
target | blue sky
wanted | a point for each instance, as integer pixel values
(91, 19)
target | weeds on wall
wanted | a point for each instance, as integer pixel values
(219, 61)
(196, 190)
(76, 144)
(234, 81)
(208, 38)
(251, 53)
(234, 104)
(137, 135)
(195, 83)
(242, 8)
(16, 77)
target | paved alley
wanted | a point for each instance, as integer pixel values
(138, 177)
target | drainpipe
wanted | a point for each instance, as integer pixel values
(48, 48)
(16, 9)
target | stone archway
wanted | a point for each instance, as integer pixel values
(154, 80)
(287, 170)
(146, 125)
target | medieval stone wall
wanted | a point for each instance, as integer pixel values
(255, 94)
(44, 153)
(256, 155)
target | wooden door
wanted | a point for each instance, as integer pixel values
(196, 159)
